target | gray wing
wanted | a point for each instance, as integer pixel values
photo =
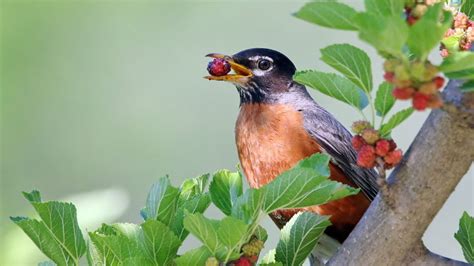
(335, 140)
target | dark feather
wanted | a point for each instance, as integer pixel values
(333, 137)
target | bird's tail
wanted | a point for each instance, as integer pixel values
(324, 250)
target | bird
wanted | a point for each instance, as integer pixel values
(279, 124)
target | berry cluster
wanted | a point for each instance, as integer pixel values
(370, 147)
(415, 9)
(218, 67)
(253, 247)
(415, 80)
(460, 37)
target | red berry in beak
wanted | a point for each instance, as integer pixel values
(218, 67)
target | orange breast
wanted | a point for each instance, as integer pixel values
(270, 140)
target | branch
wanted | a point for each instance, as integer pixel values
(438, 158)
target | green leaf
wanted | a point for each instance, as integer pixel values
(249, 205)
(352, 62)
(468, 8)
(196, 257)
(465, 236)
(33, 196)
(328, 14)
(161, 202)
(192, 187)
(47, 263)
(302, 187)
(334, 86)
(299, 236)
(118, 242)
(261, 233)
(231, 231)
(420, 40)
(318, 162)
(467, 86)
(225, 188)
(204, 229)
(57, 234)
(462, 74)
(386, 34)
(394, 121)
(269, 259)
(44, 240)
(198, 204)
(457, 62)
(385, 7)
(384, 99)
(138, 261)
(161, 244)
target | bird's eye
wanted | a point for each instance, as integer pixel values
(264, 64)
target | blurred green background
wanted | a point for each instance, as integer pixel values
(98, 99)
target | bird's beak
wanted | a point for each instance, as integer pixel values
(242, 73)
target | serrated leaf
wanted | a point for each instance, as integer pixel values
(467, 86)
(117, 243)
(196, 257)
(458, 62)
(302, 187)
(192, 187)
(160, 243)
(328, 14)
(385, 7)
(299, 236)
(161, 202)
(384, 99)
(386, 34)
(225, 188)
(198, 204)
(249, 205)
(352, 62)
(204, 229)
(57, 234)
(33, 196)
(394, 121)
(334, 86)
(468, 8)
(465, 236)
(231, 231)
(421, 41)
(44, 240)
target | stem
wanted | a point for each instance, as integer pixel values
(372, 110)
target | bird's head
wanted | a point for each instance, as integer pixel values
(260, 74)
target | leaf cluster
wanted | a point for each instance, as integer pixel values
(383, 26)
(172, 213)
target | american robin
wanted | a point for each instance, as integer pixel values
(279, 124)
